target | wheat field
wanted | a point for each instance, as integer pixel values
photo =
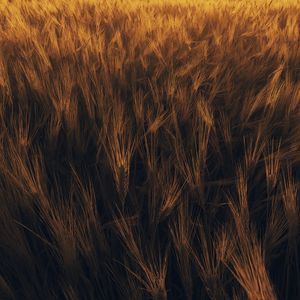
(149, 149)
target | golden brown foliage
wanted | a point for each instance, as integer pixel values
(149, 149)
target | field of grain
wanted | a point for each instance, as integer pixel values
(149, 149)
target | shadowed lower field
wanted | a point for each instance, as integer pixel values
(149, 150)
